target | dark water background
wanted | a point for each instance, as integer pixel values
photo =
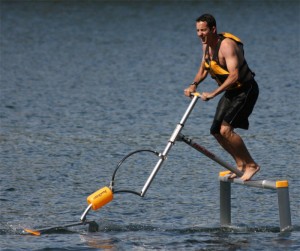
(84, 83)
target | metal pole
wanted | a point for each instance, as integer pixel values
(225, 203)
(284, 205)
(251, 183)
(170, 143)
(209, 154)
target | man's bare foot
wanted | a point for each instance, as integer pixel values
(240, 168)
(250, 170)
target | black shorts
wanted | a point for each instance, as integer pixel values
(235, 107)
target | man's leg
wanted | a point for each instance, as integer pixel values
(236, 147)
(239, 162)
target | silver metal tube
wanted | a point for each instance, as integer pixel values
(175, 133)
(189, 110)
(83, 216)
(151, 177)
(170, 144)
(251, 183)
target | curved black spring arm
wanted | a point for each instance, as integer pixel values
(127, 191)
(120, 163)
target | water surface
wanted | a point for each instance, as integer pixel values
(84, 83)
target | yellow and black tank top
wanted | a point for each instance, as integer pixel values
(220, 73)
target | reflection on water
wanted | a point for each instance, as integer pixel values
(100, 242)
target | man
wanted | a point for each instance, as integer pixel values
(223, 58)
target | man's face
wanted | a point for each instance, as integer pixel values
(204, 32)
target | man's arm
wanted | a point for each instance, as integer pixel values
(200, 76)
(202, 73)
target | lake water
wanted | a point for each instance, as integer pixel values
(84, 83)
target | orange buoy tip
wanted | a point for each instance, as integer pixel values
(33, 232)
(224, 173)
(282, 183)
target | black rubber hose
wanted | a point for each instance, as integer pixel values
(121, 162)
(128, 191)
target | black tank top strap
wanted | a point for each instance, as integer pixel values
(216, 52)
(206, 56)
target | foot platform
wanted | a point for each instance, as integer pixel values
(281, 186)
